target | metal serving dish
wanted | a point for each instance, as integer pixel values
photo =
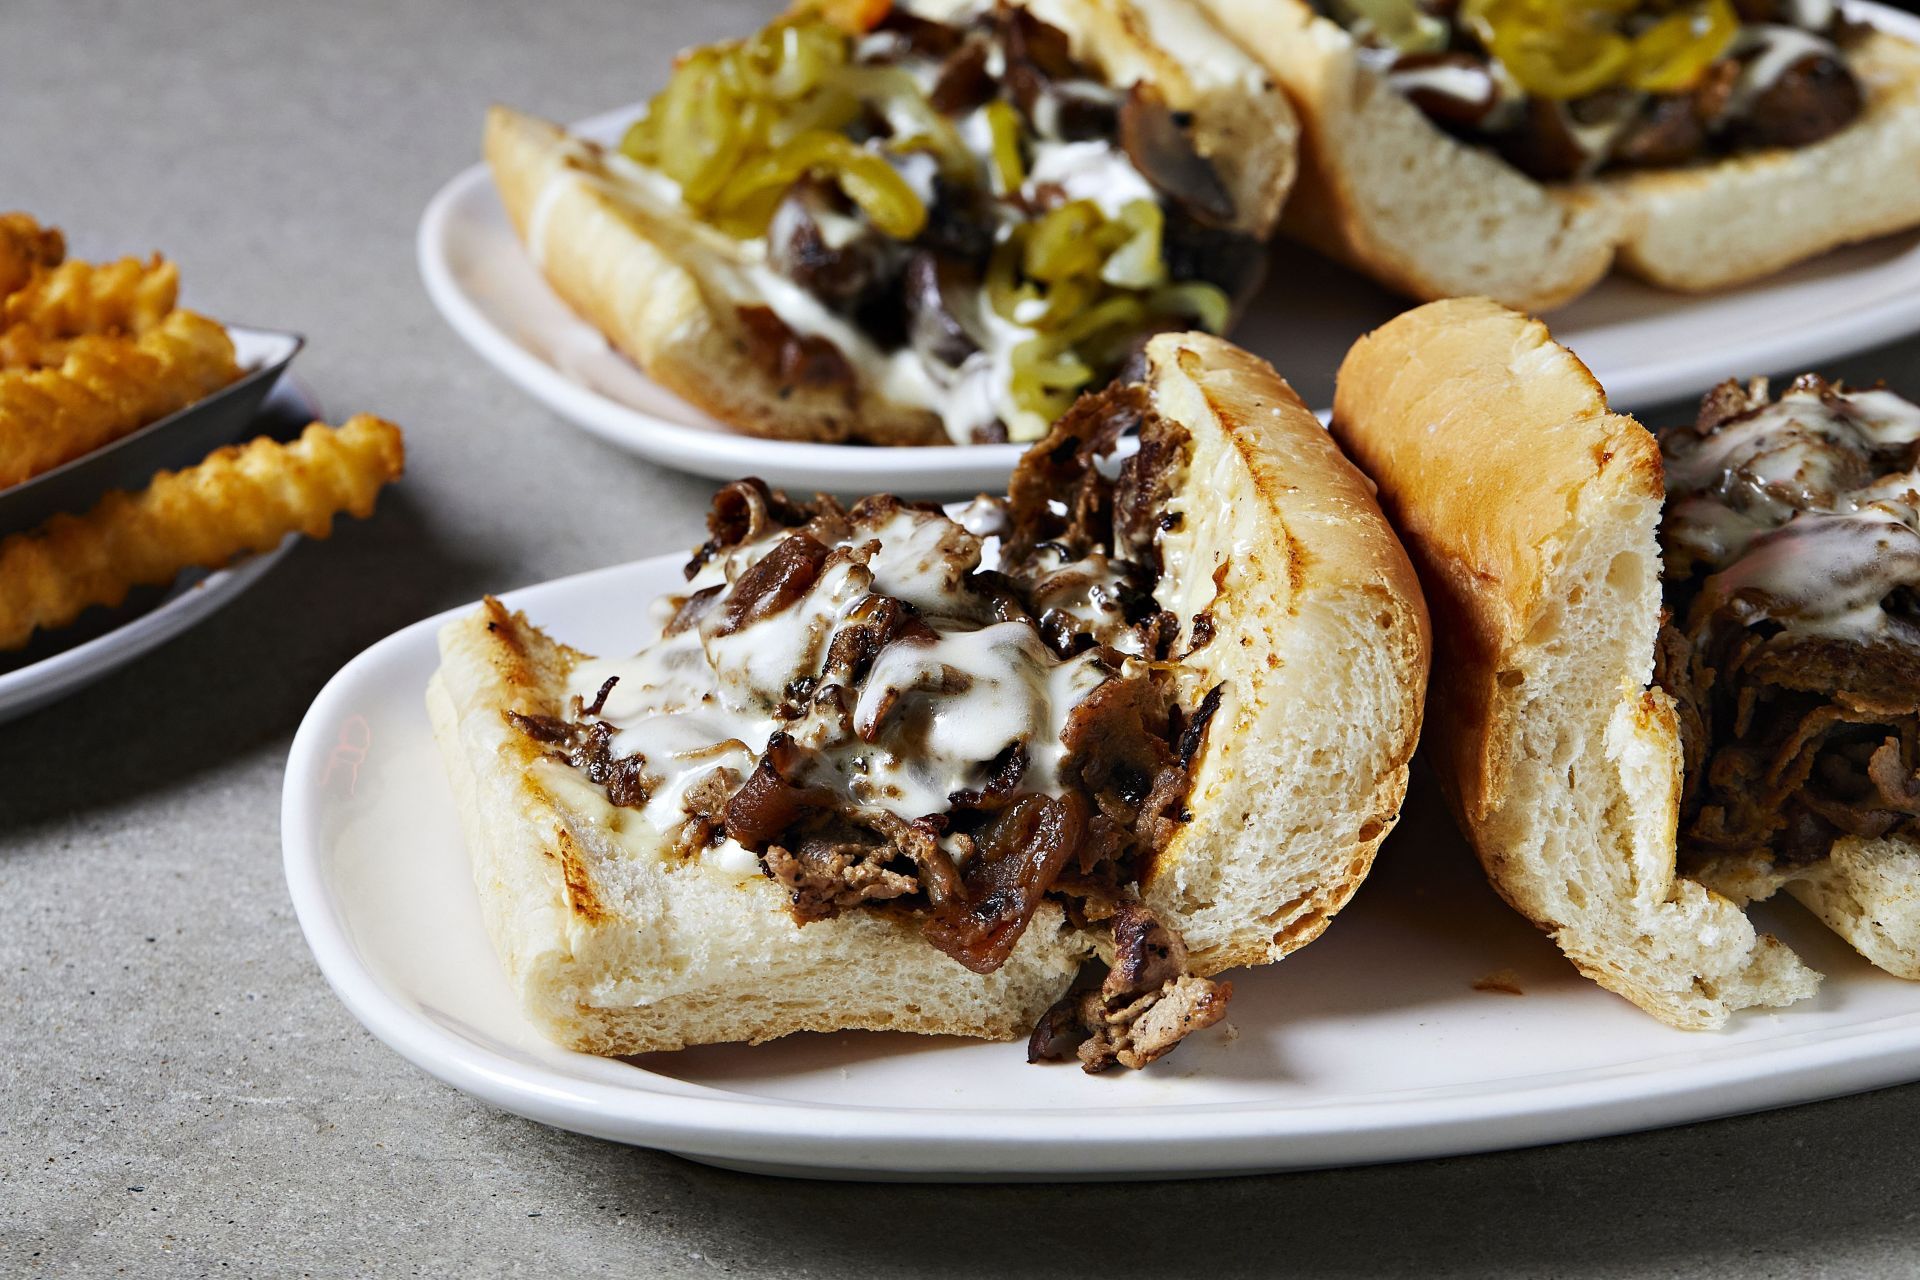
(177, 440)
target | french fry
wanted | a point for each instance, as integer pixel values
(240, 499)
(25, 247)
(105, 388)
(128, 296)
(23, 346)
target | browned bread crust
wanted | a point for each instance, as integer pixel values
(1324, 676)
(1383, 190)
(617, 268)
(1532, 514)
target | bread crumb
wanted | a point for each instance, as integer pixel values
(1504, 981)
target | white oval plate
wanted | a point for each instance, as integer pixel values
(58, 666)
(1647, 346)
(1371, 1045)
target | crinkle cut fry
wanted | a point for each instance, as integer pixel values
(240, 499)
(25, 247)
(105, 388)
(22, 347)
(128, 296)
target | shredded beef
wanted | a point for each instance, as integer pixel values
(1775, 768)
(1009, 767)
(1036, 55)
(1811, 99)
(774, 583)
(1146, 1004)
(973, 874)
(874, 623)
(1125, 511)
(705, 805)
(1117, 744)
(1792, 735)
(963, 82)
(924, 36)
(585, 743)
(827, 875)
(793, 360)
(692, 609)
(747, 510)
(919, 840)
(588, 747)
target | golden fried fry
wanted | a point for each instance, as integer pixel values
(105, 388)
(128, 296)
(39, 320)
(26, 347)
(243, 498)
(26, 246)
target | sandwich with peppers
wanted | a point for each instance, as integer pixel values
(1519, 148)
(923, 222)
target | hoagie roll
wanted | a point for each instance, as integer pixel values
(856, 777)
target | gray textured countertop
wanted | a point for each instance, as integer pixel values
(180, 1093)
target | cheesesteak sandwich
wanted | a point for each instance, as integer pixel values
(1515, 148)
(921, 222)
(1678, 676)
(859, 779)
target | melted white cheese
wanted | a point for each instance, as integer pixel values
(932, 714)
(1468, 84)
(937, 713)
(1093, 171)
(1783, 506)
(1780, 47)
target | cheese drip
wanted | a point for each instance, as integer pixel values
(1805, 511)
(935, 714)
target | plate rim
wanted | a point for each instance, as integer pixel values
(812, 1138)
(62, 674)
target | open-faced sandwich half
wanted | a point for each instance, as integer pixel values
(1673, 676)
(864, 774)
(1516, 148)
(920, 222)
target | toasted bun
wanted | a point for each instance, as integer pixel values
(1868, 892)
(1321, 644)
(616, 952)
(631, 268)
(1320, 638)
(1533, 515)
(615, 263)
(1749, 216)
(1386, 192)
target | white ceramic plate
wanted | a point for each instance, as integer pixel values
(1373, 1044)
(1647, 346)
(55, 666)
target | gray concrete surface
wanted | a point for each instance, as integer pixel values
(179, 1092)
